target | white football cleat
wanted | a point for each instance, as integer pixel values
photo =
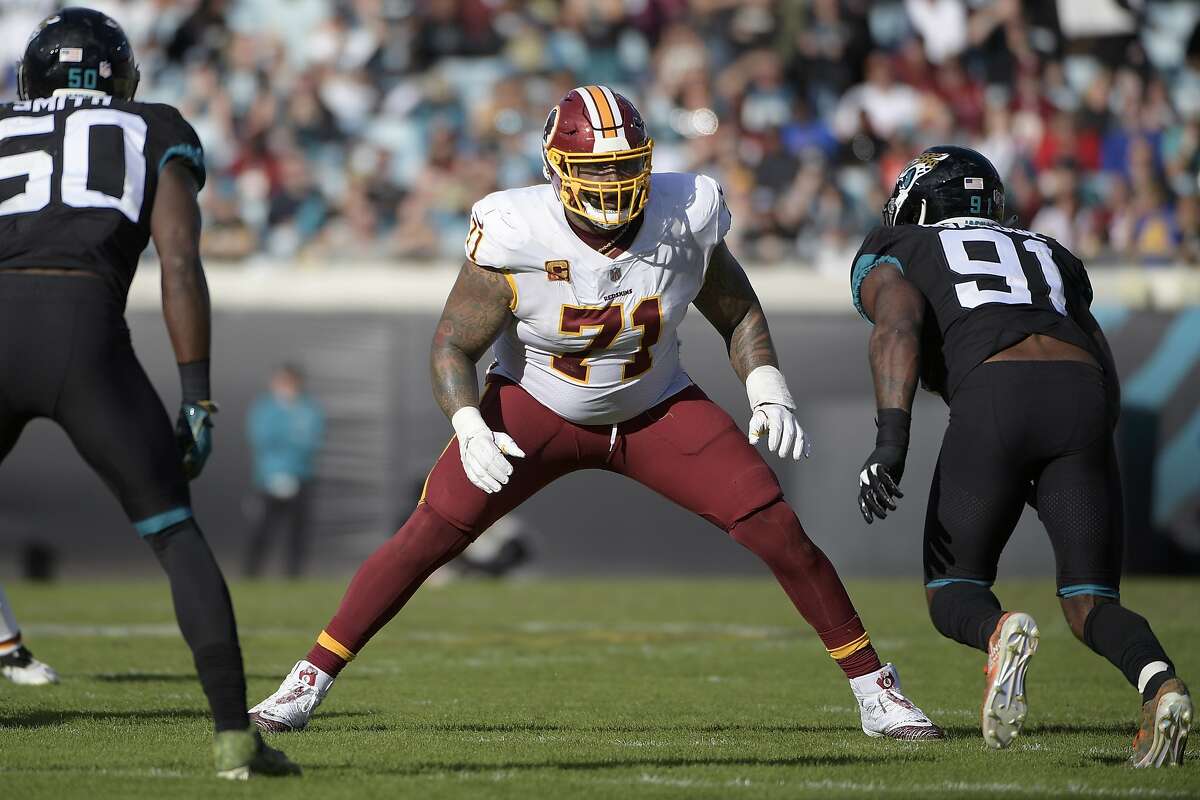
(294, 701)
(1166, 721)
(1010, 647)
(22, 668)
(885, 711)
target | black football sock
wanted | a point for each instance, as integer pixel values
(966, 613)
(1125, 639)
(205, 615)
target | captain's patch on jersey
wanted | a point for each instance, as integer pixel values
(558, 270)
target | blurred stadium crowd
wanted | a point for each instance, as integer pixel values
(364, 129)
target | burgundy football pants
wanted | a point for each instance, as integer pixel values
(686, 448)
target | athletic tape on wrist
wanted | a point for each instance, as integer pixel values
(766, 384)
(892, 426)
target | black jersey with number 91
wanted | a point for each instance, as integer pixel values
(988, 287)
(78, 175)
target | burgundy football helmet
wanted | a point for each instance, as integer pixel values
(596, 153)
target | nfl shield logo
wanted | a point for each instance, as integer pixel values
(614, 274)
(105, 69)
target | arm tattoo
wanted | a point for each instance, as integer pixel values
(475, 313)
(728, 301)
(898, 309)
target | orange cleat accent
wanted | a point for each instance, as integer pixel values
(1166, 721)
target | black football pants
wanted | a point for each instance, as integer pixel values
(1019, 431)
(65, 354)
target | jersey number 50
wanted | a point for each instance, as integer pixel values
(1007, 266)
(38, 166)
(606, 323)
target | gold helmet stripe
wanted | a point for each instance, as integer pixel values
(589, 105)
(608, 121)
(612, 103)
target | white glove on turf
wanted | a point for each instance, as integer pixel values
(482, 450)
(773, 405)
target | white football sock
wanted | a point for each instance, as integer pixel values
(1148, 672)
(8, 626)
(314, 676)
(883, 678)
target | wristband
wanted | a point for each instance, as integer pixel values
(892, 426)
(766, 384)
(193, 379)
(468, 422)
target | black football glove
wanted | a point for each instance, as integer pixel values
(879, 480)
(193, 432)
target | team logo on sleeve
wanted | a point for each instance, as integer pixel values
(558, 270)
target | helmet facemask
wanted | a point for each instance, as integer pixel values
(606, 189)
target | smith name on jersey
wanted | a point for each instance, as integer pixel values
(988, 287)
(592, 337)
(78, 175)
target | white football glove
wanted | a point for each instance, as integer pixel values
(773, 405)
(482, 450)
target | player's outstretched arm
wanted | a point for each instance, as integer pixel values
(728, 301)
(175, 226)
(898, 310)
(478, 308)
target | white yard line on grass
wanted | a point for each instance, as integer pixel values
(531, 627)
(953, 788)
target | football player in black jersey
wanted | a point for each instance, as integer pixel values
(89, 176)
(997, 321)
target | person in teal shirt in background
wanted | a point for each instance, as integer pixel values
(285, 426)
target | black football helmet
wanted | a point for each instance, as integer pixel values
(943, 182)
(78, 48)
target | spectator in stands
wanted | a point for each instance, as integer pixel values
(327, 122)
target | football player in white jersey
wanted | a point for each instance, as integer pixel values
(579, 285)
(16, 662)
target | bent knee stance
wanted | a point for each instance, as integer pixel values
(386, 581)
(774, 534)
(964, 610)
(1079, 607)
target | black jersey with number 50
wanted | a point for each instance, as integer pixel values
(78, 175)
(987, 286)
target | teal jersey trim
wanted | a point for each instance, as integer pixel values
(1089, 588)
(160, 522)
(193, 156)
(862, 268)
(947, 581)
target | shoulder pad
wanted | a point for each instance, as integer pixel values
(175, 137)
(497, 233)
(875, 251)
(701, 195)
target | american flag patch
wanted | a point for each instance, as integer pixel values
(972, 183)
(70, 54)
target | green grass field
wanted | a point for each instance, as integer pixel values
(598, 689)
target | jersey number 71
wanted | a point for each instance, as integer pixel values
(605, 323)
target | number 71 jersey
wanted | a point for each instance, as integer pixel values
(593, 338)
(81, 173)
(987, 286)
